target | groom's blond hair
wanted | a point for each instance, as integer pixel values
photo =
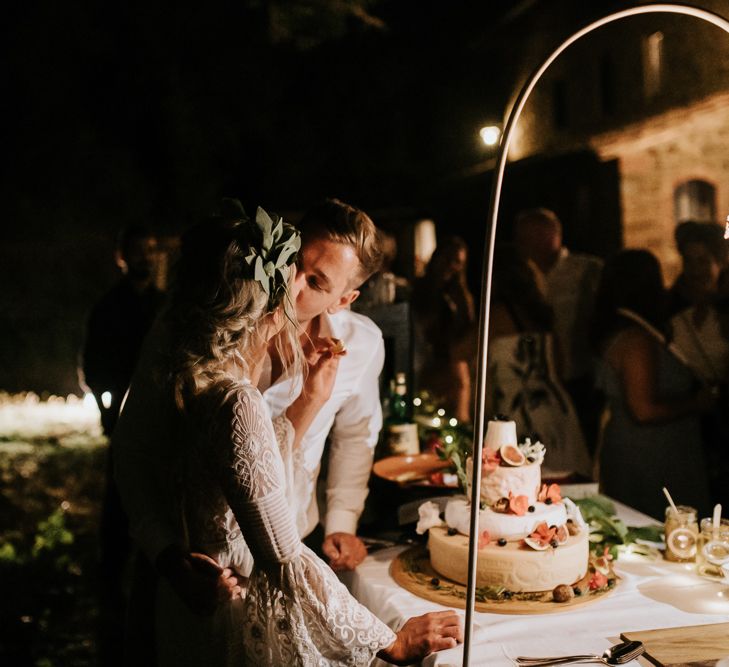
(335, 220)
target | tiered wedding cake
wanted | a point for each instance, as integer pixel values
(530, 538)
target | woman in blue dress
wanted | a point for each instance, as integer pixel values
(651, 436)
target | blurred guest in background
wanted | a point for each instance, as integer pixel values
(444, 317)
(699, 329)
(570, 281)
(703, 258)
(383, 287)
(116, 328)
(523, 380)
(119, 322)
(652, 437)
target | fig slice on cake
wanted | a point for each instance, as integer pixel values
(512, 455)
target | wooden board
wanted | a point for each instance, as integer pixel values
(413, 470)
(411, 569)
(692, 645)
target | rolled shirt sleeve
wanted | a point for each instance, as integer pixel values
(354, 435)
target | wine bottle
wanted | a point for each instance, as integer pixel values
(401, 432)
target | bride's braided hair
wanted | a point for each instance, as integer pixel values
(220, 299)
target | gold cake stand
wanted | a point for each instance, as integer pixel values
(412, 570)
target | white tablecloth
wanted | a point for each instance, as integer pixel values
(649, 595)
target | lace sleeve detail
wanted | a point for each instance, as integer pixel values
(284, 431)
(253, 479)
(297, 478)
(296, 611)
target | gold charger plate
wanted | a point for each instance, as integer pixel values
(412, 570)
(411, 470)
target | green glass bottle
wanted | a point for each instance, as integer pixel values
(401, 432)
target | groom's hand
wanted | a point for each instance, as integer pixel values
(198, 579)
(345, 551)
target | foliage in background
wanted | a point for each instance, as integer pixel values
(50, 493)
(443, 434)
(606, 530)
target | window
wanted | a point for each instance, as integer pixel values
(694, 200)
(652, 64)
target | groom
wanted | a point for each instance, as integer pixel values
(339, 252)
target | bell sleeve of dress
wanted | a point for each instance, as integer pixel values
(297, 490)
(296, 610)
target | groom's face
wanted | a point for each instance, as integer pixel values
(329, 270)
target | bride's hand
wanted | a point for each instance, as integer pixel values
(422, 635)
(322, 356)
(198, 579)
(323, 359)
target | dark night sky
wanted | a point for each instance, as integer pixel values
(140, 112)
(137, 111)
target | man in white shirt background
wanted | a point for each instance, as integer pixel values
(569, 281)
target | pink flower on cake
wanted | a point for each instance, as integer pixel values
(597, 581)
(542, 536)
(602, 563)
(483, 539)
(518, 504)
(550, 493)
(491, 459)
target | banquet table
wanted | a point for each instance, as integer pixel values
(649, 595)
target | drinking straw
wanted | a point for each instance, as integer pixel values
(716, 522)
(672, 504)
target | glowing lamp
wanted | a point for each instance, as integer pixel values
(106, 399)
(490, 135)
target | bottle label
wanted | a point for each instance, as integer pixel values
(402, 439)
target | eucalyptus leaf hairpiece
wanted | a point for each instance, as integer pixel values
(273, 248)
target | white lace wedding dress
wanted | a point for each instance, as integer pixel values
(240, 507)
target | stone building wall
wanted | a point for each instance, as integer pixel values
(596, 95)
(657, 155)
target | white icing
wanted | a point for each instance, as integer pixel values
(429, 516)
(498, 483)
(499, 433)
(508, 526)
(573, 512)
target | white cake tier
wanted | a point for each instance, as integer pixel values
(508, 526)
(499, 433)
(514, 566)
(520, 481)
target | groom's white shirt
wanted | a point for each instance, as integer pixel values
(352, 418)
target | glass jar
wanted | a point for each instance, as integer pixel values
(713, 552)
(681, 530)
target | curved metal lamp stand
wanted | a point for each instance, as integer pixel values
(516, 110)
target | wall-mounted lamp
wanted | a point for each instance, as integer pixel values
(490, 135)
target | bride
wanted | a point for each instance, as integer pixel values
(233, 475)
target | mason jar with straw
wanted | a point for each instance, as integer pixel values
(713, 552)
(681, 531)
